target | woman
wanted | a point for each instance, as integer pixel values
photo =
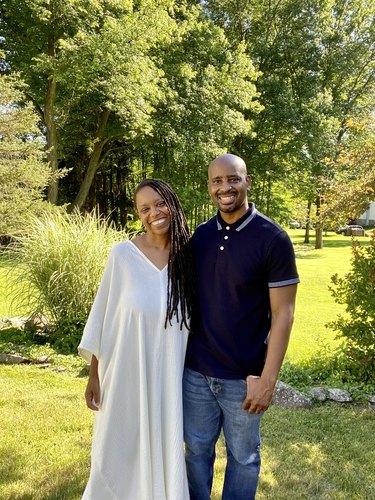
(135, 340)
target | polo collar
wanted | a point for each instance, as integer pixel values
(241, 222)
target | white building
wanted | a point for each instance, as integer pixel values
(368, 218)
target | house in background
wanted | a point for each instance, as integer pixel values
(368, 218)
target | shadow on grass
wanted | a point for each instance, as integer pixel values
(10, 466)
(310, 256)
(326, 452)
(69, 484)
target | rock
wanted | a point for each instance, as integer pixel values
(339, 395)
(287, 397)
(60, 369)
(318, 393)
(37, 323)
(371, 400)
(15, 322)
(42, 359)
(44, 365)
(3, 324)
(12, 359)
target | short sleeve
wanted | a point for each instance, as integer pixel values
(281, 268)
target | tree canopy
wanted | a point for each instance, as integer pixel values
(126, 89)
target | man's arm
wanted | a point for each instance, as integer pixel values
(260, 389)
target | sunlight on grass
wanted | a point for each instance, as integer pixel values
(46, 424)
(315, 306)
(8, 293)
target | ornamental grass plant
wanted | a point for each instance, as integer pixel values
(60, 260)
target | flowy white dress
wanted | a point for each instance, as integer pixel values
(137, 448)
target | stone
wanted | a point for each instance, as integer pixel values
(44, 365)
(318, 393)
(42, 359)
(15, 322)
(12, 359)
(37, 322)
(340, 395)
(60, 369)
(371, 401)
(288, 397)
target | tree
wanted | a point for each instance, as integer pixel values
(32, 34)
(209, 86)
(357, 291)
(353, 185)
(90, 73)
(24, 172)
(317, 66)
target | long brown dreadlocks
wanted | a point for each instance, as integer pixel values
(180, 264)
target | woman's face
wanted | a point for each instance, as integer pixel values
(153, 211)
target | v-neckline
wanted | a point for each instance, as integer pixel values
(147, 259)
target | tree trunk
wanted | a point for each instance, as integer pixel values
(49, 121)
(318, 228)
(99, 144)
(269, 190)
(307, 229)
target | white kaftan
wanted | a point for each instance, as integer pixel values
(137, 449)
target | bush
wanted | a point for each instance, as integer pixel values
(61, 259)
(357, 290)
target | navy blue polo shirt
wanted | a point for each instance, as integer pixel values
(236, 265)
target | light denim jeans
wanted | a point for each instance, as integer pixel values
(212, 404)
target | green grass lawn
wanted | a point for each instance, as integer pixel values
(315, 306)
(324, 453)
(45, 437)
(6, 309)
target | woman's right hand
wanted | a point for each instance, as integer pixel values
(92, 392)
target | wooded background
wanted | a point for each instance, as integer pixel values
(126, 89)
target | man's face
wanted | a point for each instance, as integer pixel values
(228, 184)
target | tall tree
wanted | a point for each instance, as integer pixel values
(33, 32)
(352, 188)
(317, 64)
(89, 71)
(24, 172)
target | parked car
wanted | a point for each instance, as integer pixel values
(294, 224)
(351, 230)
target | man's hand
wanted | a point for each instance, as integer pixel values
(259, 394)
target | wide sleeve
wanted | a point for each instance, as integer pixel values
(92, 333)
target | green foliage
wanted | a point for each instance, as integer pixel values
(352, 189)
(24, 174)
(61, 260)
(356, 290)
(67, 334)
(317, 73)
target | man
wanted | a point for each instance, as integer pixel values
(246, 282)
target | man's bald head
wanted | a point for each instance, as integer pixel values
(228, 184)
(230, 160)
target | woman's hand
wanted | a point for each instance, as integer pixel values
(92, 392)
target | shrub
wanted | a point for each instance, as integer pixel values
(357, 290)
(61, 260)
